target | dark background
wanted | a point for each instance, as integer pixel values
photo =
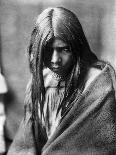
(98, 18)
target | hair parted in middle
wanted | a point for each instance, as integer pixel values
(53, 23)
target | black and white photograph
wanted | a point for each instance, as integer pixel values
(57, 77)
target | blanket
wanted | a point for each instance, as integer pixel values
(89, 128)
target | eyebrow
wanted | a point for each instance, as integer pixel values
(62, 47)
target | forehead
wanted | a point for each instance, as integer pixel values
(58, 43)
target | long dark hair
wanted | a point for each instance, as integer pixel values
(62, 23)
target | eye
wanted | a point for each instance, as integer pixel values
(67, 50)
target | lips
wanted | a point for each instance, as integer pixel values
(55, 67)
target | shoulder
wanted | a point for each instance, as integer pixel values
(91, 75)
(107, 70)
(101, 67)
(101, 71)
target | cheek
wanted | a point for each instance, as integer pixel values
(47, 58)
(67, 59)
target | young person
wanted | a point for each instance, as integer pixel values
(70, 106)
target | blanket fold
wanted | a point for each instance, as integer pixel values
(89, 128)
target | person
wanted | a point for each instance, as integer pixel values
(3, 91)
(70, 106)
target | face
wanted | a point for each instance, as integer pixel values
(59, 57)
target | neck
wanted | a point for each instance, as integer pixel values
(58, 77)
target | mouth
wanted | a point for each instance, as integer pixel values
(56, 67)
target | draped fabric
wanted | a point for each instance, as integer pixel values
(53, 98)
(89, 128)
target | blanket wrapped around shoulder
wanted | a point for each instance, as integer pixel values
(89, 128)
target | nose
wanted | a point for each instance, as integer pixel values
(55, 57)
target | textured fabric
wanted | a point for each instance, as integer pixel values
(52, 117)
(53, 98)
(89, 128)
(55, 89)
